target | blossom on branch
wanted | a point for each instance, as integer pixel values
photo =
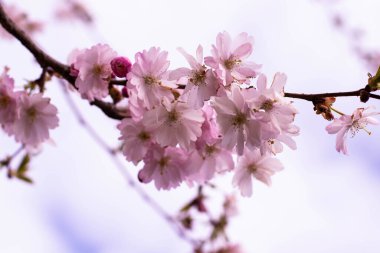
(253, 164)
(228, 58)
(148, 78)
(94, 70)
(8, 101)
(164, 166)
(36, 117)
(136, 140)
(174, 123)
(236, 121)
(201, 83)
(346, 123)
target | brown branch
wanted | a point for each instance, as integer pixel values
(313, 97)
(45, 61)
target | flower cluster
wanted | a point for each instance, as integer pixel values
(28, 117)
(191, 123)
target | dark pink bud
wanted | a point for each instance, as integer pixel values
(121, 66)
(73, 71)
(124, 92)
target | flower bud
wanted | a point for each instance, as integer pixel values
(124, 92)
(364, 96)
(73, 71)
(121, 66)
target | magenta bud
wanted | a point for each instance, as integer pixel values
(73, 71)
(121, 66)
(124, 92)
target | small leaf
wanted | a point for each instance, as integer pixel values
(25, 179)
(23, 167)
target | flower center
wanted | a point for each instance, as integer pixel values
(267, 105)
(173, 117)
(4, 101)
(163, 162)
(209, 150)
(356, 126)
(31, 114)
(231, 62)
(239, 119)
(252, 168)
(149, 80)
(143, 136)
(198, 77)
(97, 69)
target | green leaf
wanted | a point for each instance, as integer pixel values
(23, 167)
(25, 179)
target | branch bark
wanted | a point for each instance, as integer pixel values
(45, 61)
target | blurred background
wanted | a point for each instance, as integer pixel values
(322, 202)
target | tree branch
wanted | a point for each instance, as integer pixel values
(313, 97)
(45, 61)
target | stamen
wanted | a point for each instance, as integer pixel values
(239, 119)
(148, 80)
(163, 163)
(252, 168)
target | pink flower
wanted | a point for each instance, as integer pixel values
(149, 77)
(94, 71)
(210, 131)
(274, 145)
(136, 106)
(201, 83)
(136, 140)
(36, 117)
(228, 58)
(174, 123)
(270, 106)
(8, 101)
(236, 121)
(358, 120)
(204, 163)
(253, 164)
(165, 166)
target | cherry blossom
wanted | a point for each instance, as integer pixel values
(201, 83)
(94, 70)
(165, 166)
(148, 79)
(136, 140)
(253, 164)
(174, 123)
(236, 121)
(8, 101)
(271, 107)
(228, 58)
(209, 160)
(36, 117)
(357, 121)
